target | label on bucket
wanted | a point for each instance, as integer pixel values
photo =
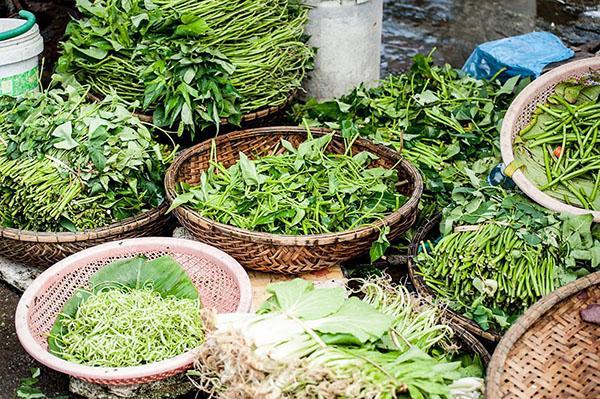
(19, 84)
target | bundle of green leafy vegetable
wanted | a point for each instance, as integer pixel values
(307, 342)
(69, 165)
(560, 148)
(134, 312)
(437, 116)
(190, 63)
(499, 253)
(300, 191)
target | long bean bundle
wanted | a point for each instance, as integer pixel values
(66, 164)
(188, 61)
(499, 253)
(560, 148)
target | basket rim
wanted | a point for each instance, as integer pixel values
(521, 326)
(299, 240)
(119, 227)
(247, 117)
(560, 73)
(114, 375)
(422, 288)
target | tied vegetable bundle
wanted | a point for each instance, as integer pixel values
(439, 117)
(560, 148)
(68, 165)
(298, 191)
(499, 253)
(133, 312)
(190, 63)
(307, 342)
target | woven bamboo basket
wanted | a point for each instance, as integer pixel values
(45, 248)
(430, 231)
(468, 343)
(551, 352)
(519, 115)
(279, 253)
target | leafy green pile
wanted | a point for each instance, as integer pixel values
(560, 148)
(307, 342)
(299, 191)
(66, 164)
(27, 388)
(136, 312)
(437, 116)
(499, 253)
(190, 63)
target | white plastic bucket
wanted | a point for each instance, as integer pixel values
(347, 35)
(19, 59)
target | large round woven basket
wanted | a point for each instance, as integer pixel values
(551, 352)
(430, 231)
(43, 249)
(279, 253)
(519, 115)
(222, 284)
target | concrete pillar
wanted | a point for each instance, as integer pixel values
(347, 34)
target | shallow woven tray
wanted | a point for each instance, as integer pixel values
(43, 249)
(430, 231)
(222, 283)
(519, 115)
(550, 352)
(246, 118)
(280, 253)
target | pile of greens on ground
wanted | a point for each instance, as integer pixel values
(438, 116)
(68, 165)
(301, 191)
(499, 253)
(560, 148)
(190, 63)
(307, 342)
(134, 312)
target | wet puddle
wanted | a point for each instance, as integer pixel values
(455, 27)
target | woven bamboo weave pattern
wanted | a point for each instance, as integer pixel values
(278, 253)
(551, 353)
(44, 249)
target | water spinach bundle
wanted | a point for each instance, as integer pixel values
(499, 253)
(300, 191)
(70, 165)
(307, 342)
(133, 312)
(560, 148)
(190, 63)
(439, 117)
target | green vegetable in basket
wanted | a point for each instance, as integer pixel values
(307, 342)
(440, 118)
(189, 63)
(560, 148)
(300, 191)
(499, 253)
(134, 312)
(70, 165)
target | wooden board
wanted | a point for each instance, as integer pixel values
(323, 278)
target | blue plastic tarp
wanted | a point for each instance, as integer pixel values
(524, 55)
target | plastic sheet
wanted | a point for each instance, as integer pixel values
(524, 55)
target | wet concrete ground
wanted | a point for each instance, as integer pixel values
(454, 27)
